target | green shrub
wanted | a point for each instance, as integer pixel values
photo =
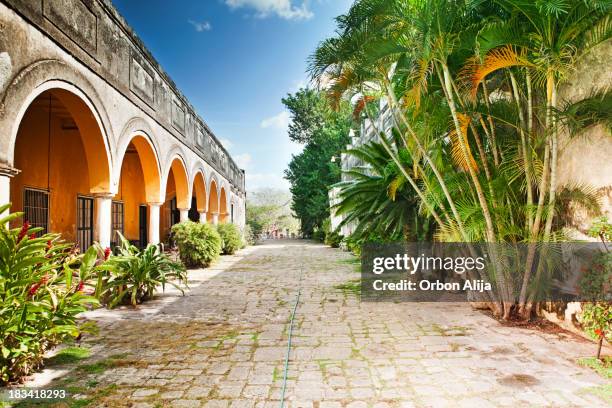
(41, 291)
(318, 235)
(199, 244)
(333, 239)
(133, 275)
(231, 239)
(249, 236)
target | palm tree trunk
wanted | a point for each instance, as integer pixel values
(553, 160)
(431, 163)
(491, 124)
(504, 290)
(523, 150)
(490, 230)
(524, 307)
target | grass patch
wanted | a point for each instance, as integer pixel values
(349, 261)
(69, 355)
(99, 367)
(602, 391)
(603, 368)
(351, 287)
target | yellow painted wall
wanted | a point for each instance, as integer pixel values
(132, 193)
(68, 175)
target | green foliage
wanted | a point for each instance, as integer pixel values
(601, 228)
(269, 208)
(480, 168)
(69, 355)
(333, 239)
(41, 292)
(596, 282)
(133, 275)
(231, 239)
(199, 244)
(603, 367)
(249, 237)
(378, 199)
(596, 319)
(324, 133)
(318, 235)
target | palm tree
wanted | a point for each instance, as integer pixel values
(474, 90)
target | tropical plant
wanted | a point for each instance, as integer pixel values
(133, 275)
(333, 239)
(324, 134)
(231, 239)
(473, 89)
(377, 200)
(42, 280)
(199, 244)
(596, 321)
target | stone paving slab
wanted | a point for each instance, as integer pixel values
(223, 344)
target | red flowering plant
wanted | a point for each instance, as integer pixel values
(41, 294)
(595, 285)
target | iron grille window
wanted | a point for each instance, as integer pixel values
(84, 223)
(117, 218)
(36, 209)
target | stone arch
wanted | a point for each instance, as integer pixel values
(213, 197)
(61, 150)
(84, 113)
(223, 207)
(33, 80)
(176, 166)
(199, 189)
(149, 160)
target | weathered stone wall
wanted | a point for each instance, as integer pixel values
(85, 47)
(586, 160)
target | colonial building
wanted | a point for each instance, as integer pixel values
(94, 135)
(368, 131)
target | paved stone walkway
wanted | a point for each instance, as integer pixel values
(224, 343)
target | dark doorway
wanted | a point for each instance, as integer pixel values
(194, 215)
(143, 235)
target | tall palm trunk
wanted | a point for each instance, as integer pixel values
(410, 180)
(490, 230)
(549, 167)
(431, 163)
(506, 302)
(524, 148)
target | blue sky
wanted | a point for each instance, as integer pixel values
(235, 60)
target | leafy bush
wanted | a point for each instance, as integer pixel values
(199, 244)
(596, 321)
(318, 235)
(41, 291)
(231, 239)
(249, 236)
(596, 282)
(134, 274)
(333, 239)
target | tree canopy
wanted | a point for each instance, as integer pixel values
(324, 133)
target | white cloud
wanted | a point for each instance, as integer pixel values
(201, 26)
(282, 8)
(299, 84)
(227, 143)
(243, 160)
(280, 121)
(265, 180)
